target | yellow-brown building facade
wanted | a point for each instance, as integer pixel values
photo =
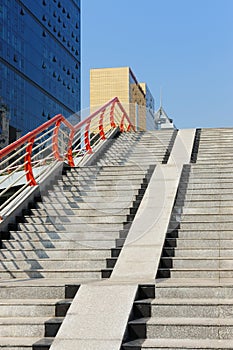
(107, 83)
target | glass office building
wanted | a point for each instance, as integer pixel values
(39, 61)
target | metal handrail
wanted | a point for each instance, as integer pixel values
(57, 143)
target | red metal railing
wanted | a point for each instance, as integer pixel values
(59, 139)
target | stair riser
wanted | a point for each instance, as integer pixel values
(227, 235)
(220, 218)
(95, 189)
(81, 212)
(64, 235)
(76, 220)
(68, 227)
(52, 264)
(68, 244)
(101, 206)
(96, 194)
(67, 198)
(89, 275)
(102, 177)
(188, 292)
(27, 330)
(27, 311)
(100, 182)
(198, 263)
(200, 253)
(55, 254)
(203, 310)
(207, 243)
(206, 274)
(190, 332)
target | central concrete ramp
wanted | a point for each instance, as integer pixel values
(100, 311)
(97, 317)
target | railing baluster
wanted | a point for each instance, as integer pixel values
(70, 152)
(86, 137)
(112, 122)
(28, 163)
(55, 141)
(101, 127)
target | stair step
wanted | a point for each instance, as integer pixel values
(178, 344)
(16, 326)
(65, 253)
(200, 243)
(27, 307)
(197, 307)
(197, 262)
(197, 252)
(18, 343)
(89, 274)
(39, 264)
(196, 273)
(59, 244)
(181, 327)
(190, 288)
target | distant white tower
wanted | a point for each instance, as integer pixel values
(162, 121)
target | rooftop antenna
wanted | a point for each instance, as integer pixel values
(160, 97)
(160, 107)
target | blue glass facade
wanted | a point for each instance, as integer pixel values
(39, 60)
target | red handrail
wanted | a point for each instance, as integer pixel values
(57, 121)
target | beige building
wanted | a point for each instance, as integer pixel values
(107, 83)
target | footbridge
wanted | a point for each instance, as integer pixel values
(116, 239)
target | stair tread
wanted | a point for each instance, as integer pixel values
(184, 321)
(29, 301)
(195, 269)
(191, 301)
(198, 257)
(17, 341)
(182, 343)
(23, 320)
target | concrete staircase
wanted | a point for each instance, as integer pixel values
(193, 308)
(72, 234)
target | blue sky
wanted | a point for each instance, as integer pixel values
(184, 47)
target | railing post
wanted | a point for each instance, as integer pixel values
(70, 152)
(55, 141)
(122, 123)
(112, 122)
(101, 127)
(86, 137)
(28, 163)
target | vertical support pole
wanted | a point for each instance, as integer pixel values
(128, 128)
(112, 122)
(86, 138)
(101, 127)
(122, 123)
(28, 163)
(55, 141)
(69, 152)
